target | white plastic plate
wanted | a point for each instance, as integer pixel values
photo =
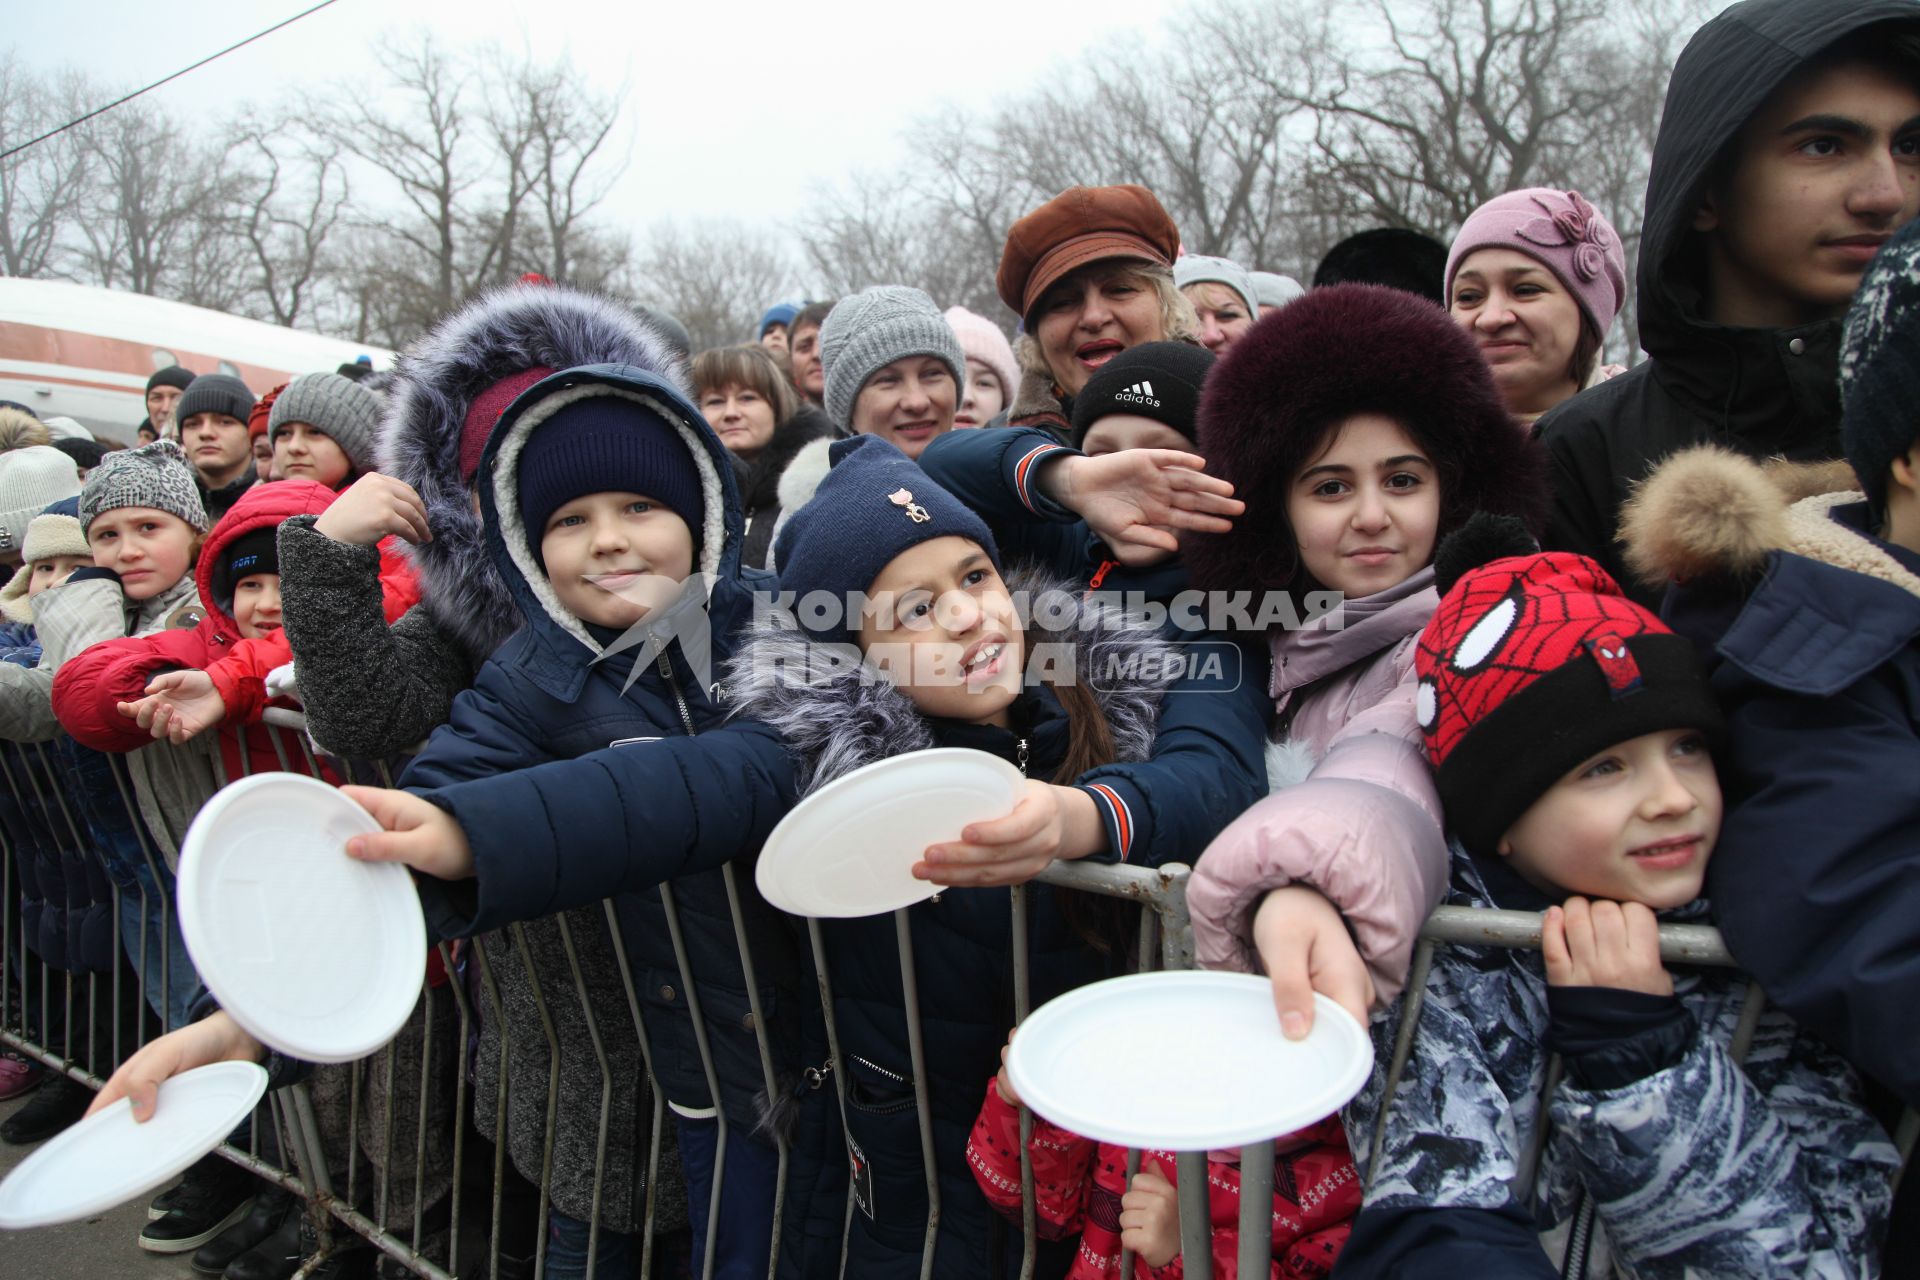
(1214, 1035)
(313, 953)
(849, 848)
(107, 1159)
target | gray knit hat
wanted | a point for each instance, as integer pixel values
(214, 393)
(339, 408)
(1880, 364)
(31, 479)
(870, 330)
(155, 475)
(1197, 268)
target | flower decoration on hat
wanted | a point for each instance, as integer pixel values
(1575, 226)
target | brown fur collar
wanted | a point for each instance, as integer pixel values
(1710, 512)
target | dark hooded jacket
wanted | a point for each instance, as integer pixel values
(1809, 627)
(560, 689)
(371, 690)
(1761, 392)
(1188, 759)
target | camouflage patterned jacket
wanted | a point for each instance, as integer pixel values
(1662, 1154)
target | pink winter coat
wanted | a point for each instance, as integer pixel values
(1363, 826)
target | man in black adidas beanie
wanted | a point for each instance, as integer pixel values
(1144, 398)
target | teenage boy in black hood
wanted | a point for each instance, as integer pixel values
(1788, 152)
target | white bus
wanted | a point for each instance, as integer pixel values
(87, 353)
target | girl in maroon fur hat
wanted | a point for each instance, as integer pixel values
(1360, 426)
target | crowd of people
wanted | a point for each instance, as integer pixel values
(1503, 625)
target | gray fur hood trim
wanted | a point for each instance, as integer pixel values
(837, 714)
(500, 333)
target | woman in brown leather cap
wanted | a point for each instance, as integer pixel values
(1090, 273)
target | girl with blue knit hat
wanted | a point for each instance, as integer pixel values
(1121, 768)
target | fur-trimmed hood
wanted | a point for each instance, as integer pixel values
(509, 548)
(1321, 359)
(1708, 513)
(837, 714)
(504, 332)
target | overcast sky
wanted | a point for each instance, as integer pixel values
(732, 109)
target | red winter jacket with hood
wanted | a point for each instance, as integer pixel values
(89, 688)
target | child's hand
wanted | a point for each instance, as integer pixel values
(1604, 944)
(1003, 1082)
(1049, 822)
(1305, 947)
(1134, 499)
(417, 832)
(178, 705)
(373, 507)
(1150, 1217)
(217, 1038)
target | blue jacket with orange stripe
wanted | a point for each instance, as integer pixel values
(996, 472)
(1188, 758)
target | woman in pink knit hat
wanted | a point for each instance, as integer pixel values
(991, 372)
(1537, 276)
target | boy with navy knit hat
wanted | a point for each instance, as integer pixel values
(1807, 609)
(212, 413)
(610, 511)
(1571, 736)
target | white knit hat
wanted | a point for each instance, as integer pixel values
(1198, 268)
(49, 534)
(31, 479)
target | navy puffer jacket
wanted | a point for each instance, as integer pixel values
(559, 690)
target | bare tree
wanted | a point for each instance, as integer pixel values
(714, 277)
(292, 198)
(152, 182)
(41, 187)
(556, 131)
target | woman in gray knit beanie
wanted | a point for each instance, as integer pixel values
(894, 368)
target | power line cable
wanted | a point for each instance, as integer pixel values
(34, 142)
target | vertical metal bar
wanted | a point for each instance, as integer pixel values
(1022, 1006)
(279, 751)
(356, 1090)
(825, 980)
(1256, 1208)
(606, 1090)
(922, 1104)
(519, 935)
(1752, 1005)
(463, 1034)
(618, 935)
(1528, 1168)
(420, 1112)
(1196, 1221)
(1414, 997)
(1176, 936)
(500, 1094)
(781, 1145)
(385, 1084)
(1126, 1254)
(678, 937)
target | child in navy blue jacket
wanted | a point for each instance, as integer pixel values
(1803, 595)
(1141, 768)
(610, 512)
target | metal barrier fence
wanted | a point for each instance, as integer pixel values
(397, 1148)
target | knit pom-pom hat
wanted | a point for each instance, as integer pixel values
(1328, 356)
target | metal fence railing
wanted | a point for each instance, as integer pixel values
(523, 1083)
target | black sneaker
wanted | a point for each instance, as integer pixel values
(279, 1255)
(270, 1209)
(207, 1202)
(206, 1166)
(55, 1105)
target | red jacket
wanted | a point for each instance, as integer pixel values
(89, 687)
(1078, 1183)
(240, 677)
